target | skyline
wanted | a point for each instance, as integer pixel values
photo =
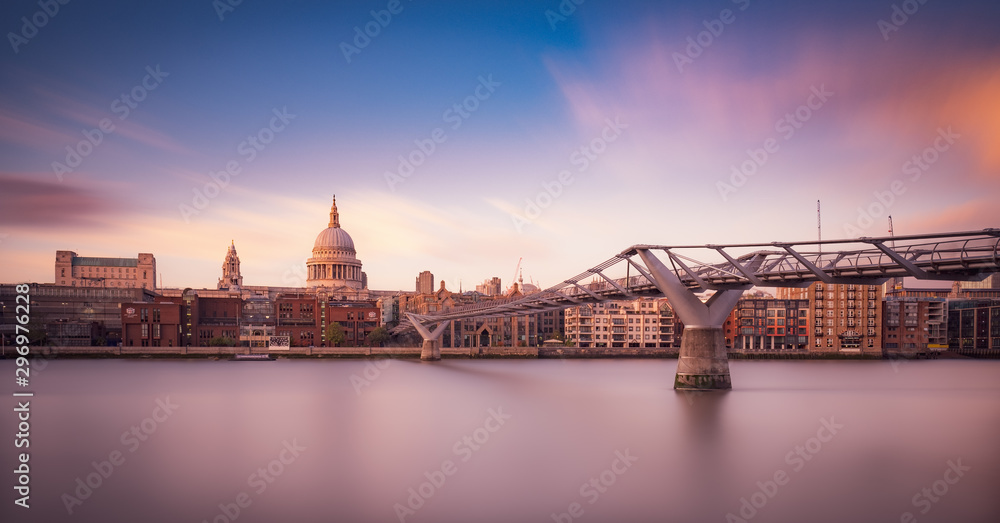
(825, 102)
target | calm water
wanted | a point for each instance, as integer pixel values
(304, 441)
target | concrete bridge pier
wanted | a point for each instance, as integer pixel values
(431, 349)
(702, 363)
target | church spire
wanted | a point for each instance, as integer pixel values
(334, 215)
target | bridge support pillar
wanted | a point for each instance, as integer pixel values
(702, 363)
(431, 349)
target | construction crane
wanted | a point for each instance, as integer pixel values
(513, 281)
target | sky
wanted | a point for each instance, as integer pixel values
(460, 137)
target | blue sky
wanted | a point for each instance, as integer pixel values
(649, 126)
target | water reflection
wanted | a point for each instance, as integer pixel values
(589, 440)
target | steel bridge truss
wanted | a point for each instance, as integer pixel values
(965, 256)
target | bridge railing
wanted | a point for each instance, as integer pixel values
(957, 256)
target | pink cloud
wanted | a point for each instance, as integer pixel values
(26, 201)
(889, 101)
(967, 216)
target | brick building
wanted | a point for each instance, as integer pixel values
(298, 318)
(155, 324)
(846, 318)
(912, 325)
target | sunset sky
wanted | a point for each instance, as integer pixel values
(838, 101)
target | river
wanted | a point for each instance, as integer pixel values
(506, 441)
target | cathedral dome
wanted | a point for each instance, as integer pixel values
(334, 239)
(334, 261)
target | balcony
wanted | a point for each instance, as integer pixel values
(217, 321)
(297, 322)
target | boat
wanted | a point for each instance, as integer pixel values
(253, 357)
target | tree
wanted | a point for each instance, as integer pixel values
(221, 341)
(335, 334)
(378, 336)
(37, 334)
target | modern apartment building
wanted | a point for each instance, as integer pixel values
(974, 327)
(770, 325)
(643, 322)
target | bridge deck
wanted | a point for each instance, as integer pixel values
(867, 261)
